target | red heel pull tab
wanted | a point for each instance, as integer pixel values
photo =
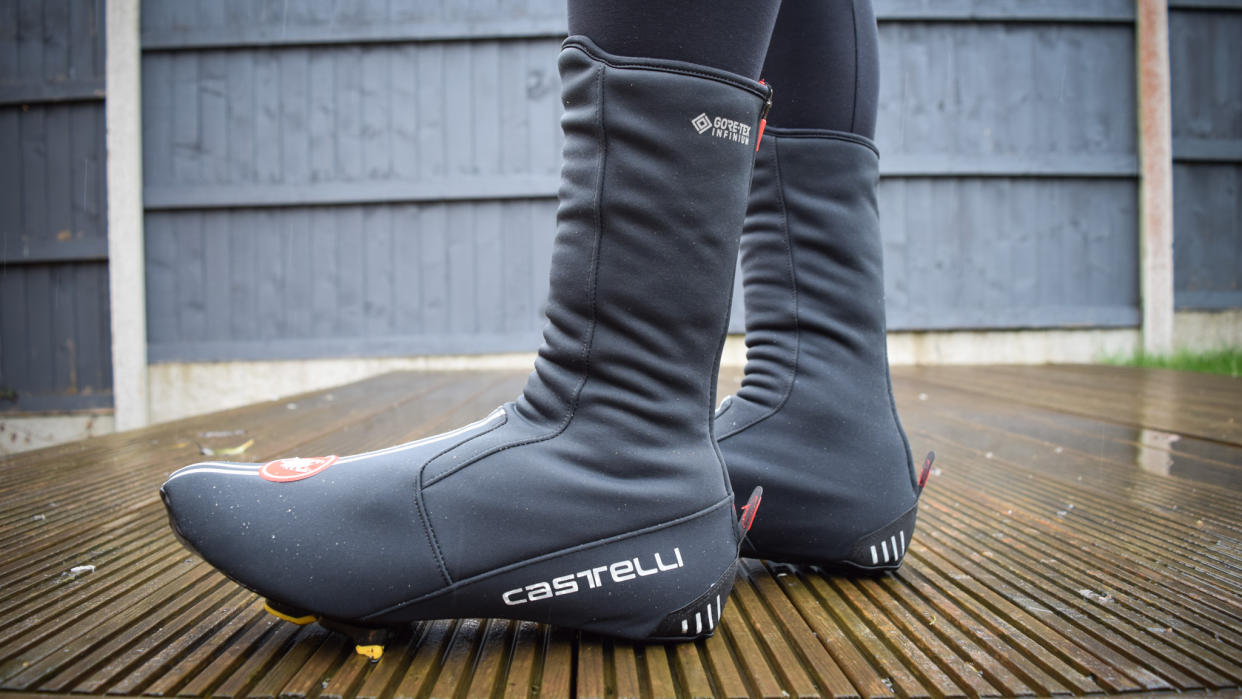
(763, 117)
(749, 510)
(927, 465)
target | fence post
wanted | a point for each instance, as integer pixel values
(1156, 177)
(126, 280)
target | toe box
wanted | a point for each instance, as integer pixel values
(345, 543)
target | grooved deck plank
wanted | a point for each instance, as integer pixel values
(1082, 535)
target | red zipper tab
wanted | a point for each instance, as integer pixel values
(763, 118)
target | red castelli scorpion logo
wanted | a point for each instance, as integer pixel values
(295, 468)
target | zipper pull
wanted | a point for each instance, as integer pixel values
(763, 117)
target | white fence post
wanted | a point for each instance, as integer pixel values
(126, 280)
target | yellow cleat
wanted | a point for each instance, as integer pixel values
(299, 620)
(374, 652)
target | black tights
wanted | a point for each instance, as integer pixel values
(821, 57)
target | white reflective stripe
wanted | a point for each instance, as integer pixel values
(685, 626)
(497, 413)
(903, 542)
(698, 622)
(711, 623)
(875, 557)
(719, 609)
(254, 468)
(236, 469)
(217, 464)
(884, 548)
(225, 472)
(894, 540)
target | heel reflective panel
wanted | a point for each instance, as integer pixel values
(887, 545)
(712, 616)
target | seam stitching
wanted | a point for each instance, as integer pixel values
(431, 539)
(854, 103)
(590, 339)
(621, 63)
(428, 482)
(793, 279)
(823, 134)
(587, 343)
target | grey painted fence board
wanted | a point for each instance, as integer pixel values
(1059, 11)
(1211, 300)
(1207, 243)
(27, 93)
(54, 172)
(231, 23)
(516, 186)
(317, 347)
(1038, 91)
(73, 250)
(1206, 52)
(448, 188)
(378, 189)
(54, 322)
(54, 328)
(14, 358)
(475, 268)
(341, 264)
(1206, 4)
(311, 105)
(1025, 249)
(8, 42)
(1207, 150)
(68, 52)
(28, 403)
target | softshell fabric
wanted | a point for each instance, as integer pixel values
(555, 506)
(814, 422)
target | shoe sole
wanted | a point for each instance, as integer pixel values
(633, 586)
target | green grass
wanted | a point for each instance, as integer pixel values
(1227, 362)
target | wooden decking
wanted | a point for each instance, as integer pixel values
(1082, 534)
